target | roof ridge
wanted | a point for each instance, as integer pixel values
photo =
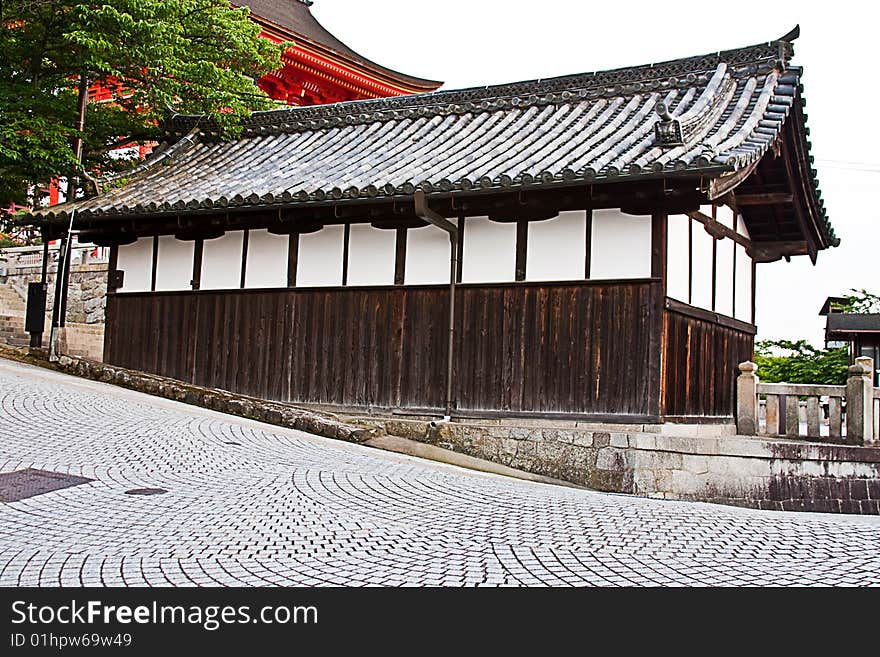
(740, 62)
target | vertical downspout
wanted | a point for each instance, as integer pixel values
(62, 272)
(424, 212)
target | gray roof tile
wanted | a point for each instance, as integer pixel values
(730, 107)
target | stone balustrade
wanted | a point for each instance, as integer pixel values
(849, 413)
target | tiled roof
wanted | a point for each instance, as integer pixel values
(724, 112)
(295, 17)
(846, 323)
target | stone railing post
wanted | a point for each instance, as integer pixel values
(747, 399)
(860, 402)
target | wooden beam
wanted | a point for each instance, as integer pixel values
(292, 259)
(400, 257)
(658, 248)
(764, 199)
(346, 245)
(718, 230)
(773, 251)
(155, 265)
(244, 254)
(522, 243)
(198, 252)
(588, 253)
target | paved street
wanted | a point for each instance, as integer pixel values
(251, 504)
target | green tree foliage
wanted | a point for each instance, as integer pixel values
(863, 302)
(784, 361)
(153, 56)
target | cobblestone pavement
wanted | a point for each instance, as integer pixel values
(251, 504)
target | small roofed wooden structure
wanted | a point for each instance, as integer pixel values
(606, 231)
(860, 330)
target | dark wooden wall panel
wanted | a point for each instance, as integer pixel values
(700, 365)
(520, 348)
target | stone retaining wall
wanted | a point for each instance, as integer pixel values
(86, 295)
(743, 471)
(219, 400)
(86, 302)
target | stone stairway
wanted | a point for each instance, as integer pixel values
(12, 312)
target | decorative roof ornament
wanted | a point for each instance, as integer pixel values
(667, 130)
(307, 3)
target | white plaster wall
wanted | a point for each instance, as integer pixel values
(319, 263)
(489, 251)
(621, 245)
(427, 256)
(221, 262)
(724, 278)
(266, 259)
(741, 227)
(743, 308)
(677, 257)
(136, 260)
(702, 263)
(174, 267)
(557, 248)
(724, 215)
(371, 255)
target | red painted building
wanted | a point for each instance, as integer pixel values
(318, 68)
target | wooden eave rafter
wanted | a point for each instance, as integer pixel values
(797, 183)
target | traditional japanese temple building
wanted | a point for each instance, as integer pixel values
(318, 68)
(602, 231)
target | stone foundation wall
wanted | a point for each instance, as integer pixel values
(743, 471)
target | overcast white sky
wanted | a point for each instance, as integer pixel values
(478, 42)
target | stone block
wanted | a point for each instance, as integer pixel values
(686, 483)
(582, 438)
(601, 439)
(696, 464)
(619, 440)
(612, 459)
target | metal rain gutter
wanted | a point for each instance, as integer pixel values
(424, 212)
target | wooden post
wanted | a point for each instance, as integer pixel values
(747, 399)
(860, 402)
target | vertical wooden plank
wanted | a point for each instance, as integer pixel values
(155, 264)
(198, 253)
(813, 417)
(588, 251)
(244, 256)
(292, 258)
(772, 415)
(346, 245)
(658, 248)
(522, 242)
(400, 256)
